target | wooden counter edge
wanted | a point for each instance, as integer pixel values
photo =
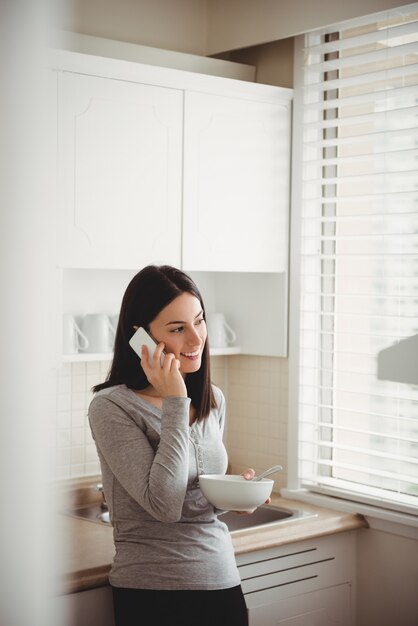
(326, 522)
(295, 532)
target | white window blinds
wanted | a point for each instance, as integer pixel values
(358, 427)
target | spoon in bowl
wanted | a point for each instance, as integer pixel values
(271, 470)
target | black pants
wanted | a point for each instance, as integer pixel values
(144, 607)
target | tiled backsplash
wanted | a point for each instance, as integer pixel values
(75, 449)
(256, 433)
(257, 414)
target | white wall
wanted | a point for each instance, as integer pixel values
(178, 25)
(273, 62)
(241, 23)
(137, 53)
(206, 27)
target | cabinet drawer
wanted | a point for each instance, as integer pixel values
(313, 576)
(301, 567)
(325, 607)
(282, 562)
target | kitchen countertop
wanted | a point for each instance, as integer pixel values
(88, 546)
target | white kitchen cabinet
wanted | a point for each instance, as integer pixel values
(310, 583)
(170, 167)
(120, 168)
(236, 183)
(160, 166)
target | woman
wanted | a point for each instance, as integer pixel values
(157, 427)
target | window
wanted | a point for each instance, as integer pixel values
(357, 223)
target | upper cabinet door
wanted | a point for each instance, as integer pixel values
(120, 151)
(236, 184)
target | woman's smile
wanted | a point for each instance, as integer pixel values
(191, 355)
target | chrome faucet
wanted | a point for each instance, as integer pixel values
(103, 504)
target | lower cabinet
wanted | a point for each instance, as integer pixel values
(93, 607)
(310, 583)
(326, 607)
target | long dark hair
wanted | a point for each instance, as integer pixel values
(149, 291)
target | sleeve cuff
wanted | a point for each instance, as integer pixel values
(175, 410)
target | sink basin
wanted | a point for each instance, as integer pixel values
(263, 516)
(91, 512)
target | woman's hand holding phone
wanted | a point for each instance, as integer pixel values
(166, 378)
(161, 369)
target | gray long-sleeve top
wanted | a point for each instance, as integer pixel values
(166, 534)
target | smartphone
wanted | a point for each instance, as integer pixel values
(142, 338)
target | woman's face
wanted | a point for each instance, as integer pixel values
(180, 325)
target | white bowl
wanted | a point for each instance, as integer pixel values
(233, 492)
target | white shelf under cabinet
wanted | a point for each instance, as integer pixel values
(225, 351)
(88, 356)
(107, 356)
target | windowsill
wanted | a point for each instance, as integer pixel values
(384, 520)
